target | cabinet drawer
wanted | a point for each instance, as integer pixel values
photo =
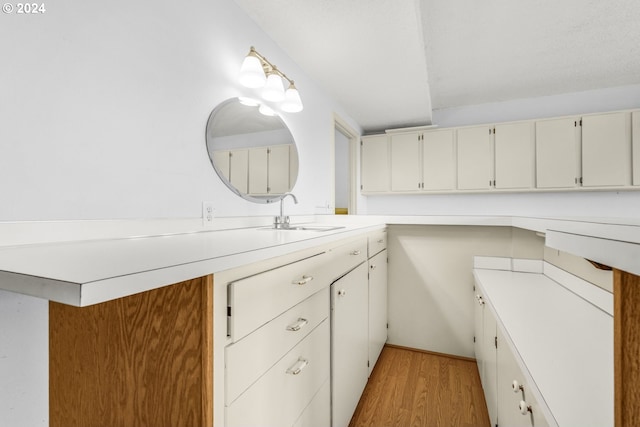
(347, 256)
(252, 356)
(377, 242)
(279, 397)
(257, 299)
(318, 413)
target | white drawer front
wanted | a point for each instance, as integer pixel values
(252, 356)
(257, 299)
(278, 398)
(318, 413)
(347, 256)
(377, 242)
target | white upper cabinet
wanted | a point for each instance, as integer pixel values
(239, 169)
(278, 169)
(475, 158)
(606, 150)
(514, 155)
(439, 160)
(557, 149)
(405, 162)
(258, 168)
(375, 164)
(635, 131)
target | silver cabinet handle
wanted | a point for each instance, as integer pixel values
(342, 292)
(305, 279)
(373, 266)
(299, 324)
(355, 253)
(516, 386)
(480, 300)
(298, 366)
(524, 407)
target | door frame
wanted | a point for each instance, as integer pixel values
(339, 124)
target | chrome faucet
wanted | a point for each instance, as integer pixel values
(282, 221)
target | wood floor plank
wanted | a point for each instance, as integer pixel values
(413, 388)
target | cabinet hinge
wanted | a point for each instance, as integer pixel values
(268, 150)
(575, 124)
(268, 189)
(361, 187)
(494, 131)
(387, 326)
(474, 339)
(580, 122)
(228, 311)
(230, 154)
(367, 363)
(580, 180)
(496, 342)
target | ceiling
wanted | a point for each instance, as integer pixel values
(390, 63)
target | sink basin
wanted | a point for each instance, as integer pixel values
(318, 228)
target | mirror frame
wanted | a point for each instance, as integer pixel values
(255, 199)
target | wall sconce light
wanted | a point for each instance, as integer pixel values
(256, 71)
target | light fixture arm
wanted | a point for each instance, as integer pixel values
(268, 67)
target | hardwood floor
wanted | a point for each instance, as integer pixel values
(413, 388)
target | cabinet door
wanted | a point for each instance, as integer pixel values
(557, 153)
(349, 343)
(377, 306)
(239, 170)
(439, 160)
(514, 155)
(405, 162)
(375, 164)
(278, 169)
(636, 146)
(478, 336)
(258, 170)
(606, 150)
(475, 158)
(490, 384)
(221, 161)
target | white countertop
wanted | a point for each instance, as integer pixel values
(565, 342)
(87, 272)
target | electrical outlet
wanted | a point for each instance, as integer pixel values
(208, 213)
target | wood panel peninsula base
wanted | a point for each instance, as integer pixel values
(141, 360)
(626, 318)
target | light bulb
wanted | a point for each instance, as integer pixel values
(264, 110)
(273, 88)
(251, 72)
(292, 102)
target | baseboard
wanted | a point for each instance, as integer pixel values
(434, 353)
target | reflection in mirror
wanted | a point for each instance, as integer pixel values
(254, 154)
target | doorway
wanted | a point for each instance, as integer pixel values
(345, 149)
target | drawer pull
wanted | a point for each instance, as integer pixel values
(516, 386)
(298, 367)
(342, 292)
(524, 408)
(303, 281)
(299, 324)
(480, 300)
(355, 253)
(373, 266)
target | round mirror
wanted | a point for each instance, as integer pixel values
(253, 153)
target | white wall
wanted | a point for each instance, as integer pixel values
(592, 204)
(104, 108)
(102, 116)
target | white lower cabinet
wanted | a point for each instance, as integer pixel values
(517, 406)
(349, 344)
(300, 332)
(377, 306)
(486, 354)
(280, 396)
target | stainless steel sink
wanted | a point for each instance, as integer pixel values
(318, 228)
